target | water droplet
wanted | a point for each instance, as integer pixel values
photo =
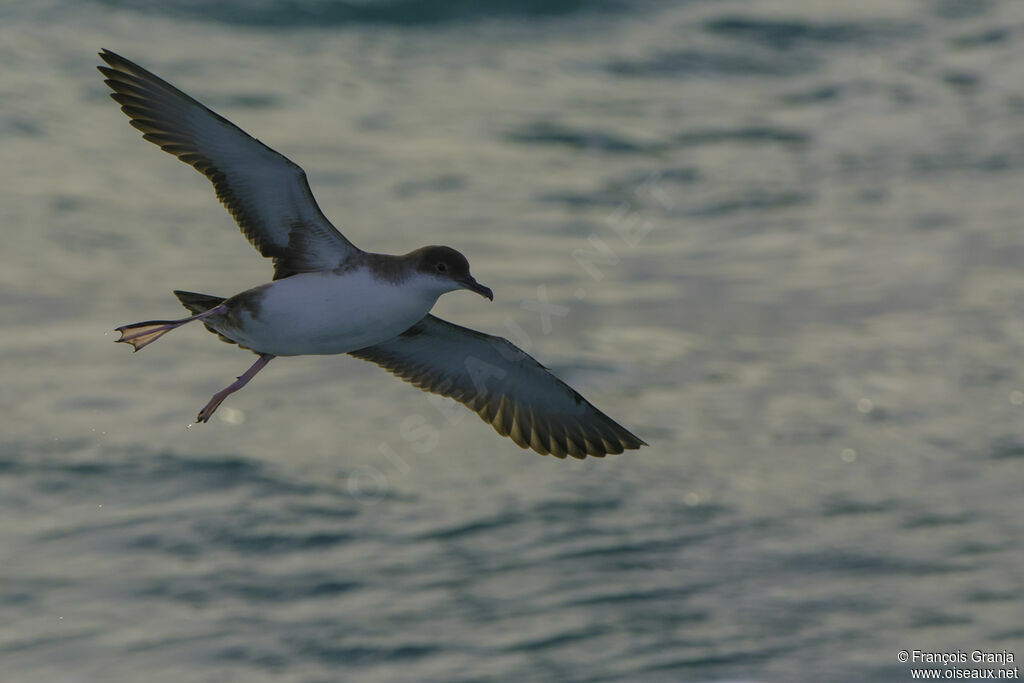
(1017, 398)
(848, 455)
(865, 405)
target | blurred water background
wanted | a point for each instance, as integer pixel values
(786, 237)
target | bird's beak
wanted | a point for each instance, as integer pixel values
(470, 283)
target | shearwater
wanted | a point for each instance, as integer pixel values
(328, 296)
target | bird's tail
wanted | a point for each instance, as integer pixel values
(141, 335)
(198, 303)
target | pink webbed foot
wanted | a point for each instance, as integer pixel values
(211, 407)
(141, 335)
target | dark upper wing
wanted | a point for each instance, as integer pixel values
(265, 192)
(517, 395)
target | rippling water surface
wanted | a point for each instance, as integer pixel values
(785, 239)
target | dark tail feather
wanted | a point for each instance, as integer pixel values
(198, 303)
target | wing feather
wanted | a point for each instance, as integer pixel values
(266, 193)
(507, 388)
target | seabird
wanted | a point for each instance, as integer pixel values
(328, 296)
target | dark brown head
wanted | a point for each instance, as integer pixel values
(449, 268)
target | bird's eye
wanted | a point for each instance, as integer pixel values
(442, 267)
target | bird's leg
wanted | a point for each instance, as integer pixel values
(141, 335)
(243, 379)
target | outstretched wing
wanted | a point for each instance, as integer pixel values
(265, 192)
(511, 391)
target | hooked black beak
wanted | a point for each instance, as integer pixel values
(469, 282)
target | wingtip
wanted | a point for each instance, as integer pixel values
(632, 443)
(115, 60)
(110, 60)
(627, 439)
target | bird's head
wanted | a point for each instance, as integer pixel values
(449, 269)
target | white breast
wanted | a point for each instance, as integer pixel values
(324, 313)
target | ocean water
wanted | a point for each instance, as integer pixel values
(785, 241)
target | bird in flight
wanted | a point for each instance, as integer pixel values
(328, 296)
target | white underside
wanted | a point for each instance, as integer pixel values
(324, 313)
